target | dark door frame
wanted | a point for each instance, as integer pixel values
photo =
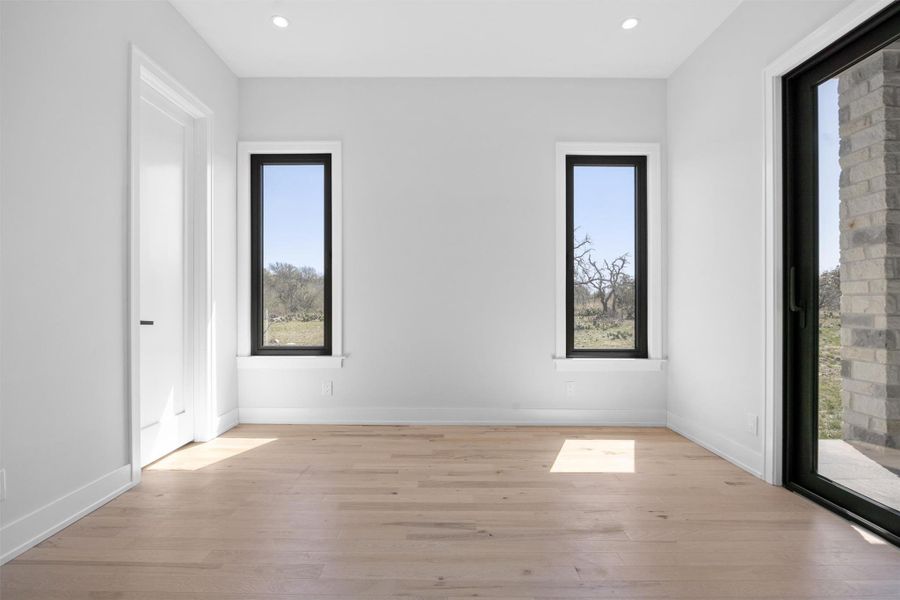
(800, 269)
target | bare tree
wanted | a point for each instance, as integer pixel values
(587, 272)
(606, 281)
(616, 275)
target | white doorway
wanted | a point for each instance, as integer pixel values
(167, 401)
(170, 287)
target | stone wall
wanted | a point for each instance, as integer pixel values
(869, 102)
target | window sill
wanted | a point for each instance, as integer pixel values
(290, 363)
(609, 365)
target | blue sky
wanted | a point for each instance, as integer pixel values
(293, 215)
(604, 209)
(604, 203)
(829, 176)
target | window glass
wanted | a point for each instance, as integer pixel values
(603, 257)
(290, 221)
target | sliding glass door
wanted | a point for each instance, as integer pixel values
(842, 275)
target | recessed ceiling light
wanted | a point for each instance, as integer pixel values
(280, 22)
(630, 23)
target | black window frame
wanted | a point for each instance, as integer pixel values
(257, 237)
(800, 276)
(639, 163)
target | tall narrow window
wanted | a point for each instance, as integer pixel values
(291, 253)
(606, 256)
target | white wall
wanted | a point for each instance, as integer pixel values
(449, 247)
(448, 202)
(65, 82)
(716, 228)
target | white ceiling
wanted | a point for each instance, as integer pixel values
(454, 38)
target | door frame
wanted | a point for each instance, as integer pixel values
(198, 248)
(800, 470)
(773, 419)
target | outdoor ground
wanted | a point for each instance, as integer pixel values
(830, 411)
(605, 334)
(296, 333)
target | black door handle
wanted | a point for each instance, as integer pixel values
(146, 322)
(792, 297)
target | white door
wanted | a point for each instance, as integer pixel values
(166, 398)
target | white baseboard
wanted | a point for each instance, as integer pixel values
(33, 528)
(226, 421)
(741, 456)
(452, 416)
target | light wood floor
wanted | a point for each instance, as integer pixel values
(453, 512)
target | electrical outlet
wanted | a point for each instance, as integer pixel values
(570, 388)
(752, 424)
(327, 388)
(2, 484)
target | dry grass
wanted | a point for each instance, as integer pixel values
(296, 333)
(603, 334)
(830, 407)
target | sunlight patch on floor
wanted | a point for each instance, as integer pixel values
(868, 536)
(595, 456)
(197, 456)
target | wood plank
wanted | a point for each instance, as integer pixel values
(335, 512)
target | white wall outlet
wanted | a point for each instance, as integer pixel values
(2, 484)
(752, 424)
(570, 389)
(327, 388)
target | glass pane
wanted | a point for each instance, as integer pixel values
(293, 255)
(603, 211)
(859, 281)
